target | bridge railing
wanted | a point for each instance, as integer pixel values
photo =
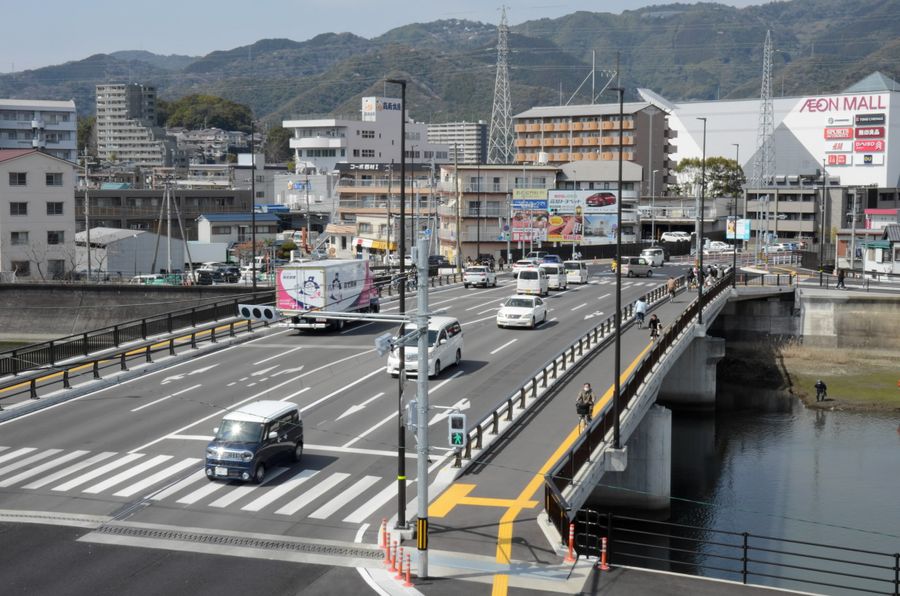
(600, 429)
(50, 353)
(542, 380)
(766, 279)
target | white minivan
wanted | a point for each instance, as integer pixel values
(445, 344)
(556, 276)
(533, 281)
(576, 272)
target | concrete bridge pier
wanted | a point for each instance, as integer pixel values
(691, 382)
(646, 481)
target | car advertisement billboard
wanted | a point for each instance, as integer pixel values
(582, 216)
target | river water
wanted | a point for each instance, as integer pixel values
(811, 475)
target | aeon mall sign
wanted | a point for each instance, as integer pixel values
(844, 103)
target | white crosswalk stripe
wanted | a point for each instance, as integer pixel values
(12, 480)
(200, 493)
(179, 486)
(242, 491)
(14, 454)
(70, 470)
(279, 491)
(129, 473)
(158, 477)
(312, 494)
(28, 461)
(85, 478)
(345, 497)
(374, 504)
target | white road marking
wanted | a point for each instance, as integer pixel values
(554, 319)
(462, 404)
(288, 371)
(510, 342)
(347, 495)
(312, 494)
(263, 371)
(70, 470)
(368, 431)
(186, 374)
(603, 296)
(166, 397)
(129, 473)
(342, 389)
(579, 306)
(434, 388)
(158, 477)
(278, 355)
(335, 449)
(41, 468)
(360, 533)
(295, 394)
(478, 320)
(354, 328)
(242, 491)
(28, 461)
(357, 408)
(206, 438)
(596, 313)
(178, 486)
(17, 453)
(375, 503)
(279, 491)
(489, 310)
(231, 383)
(482, 304)
(251, 384)
(193, 497)
(97, 472)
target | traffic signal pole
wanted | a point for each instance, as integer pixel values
(422, 414)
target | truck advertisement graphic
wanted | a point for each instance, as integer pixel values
(331, 285)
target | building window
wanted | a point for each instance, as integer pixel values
(55, 237)
(54, 179)
(368, 134)
(21, 268)
(54, 207)
(356, 153)
(18, 178)
(18, 238)
(56, 268)
(18, 208)
(367, 153)
(221, 230)
(260, 194)
(364, 227)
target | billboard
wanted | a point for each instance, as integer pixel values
(737, 229)
(582, 216)
(529, 215)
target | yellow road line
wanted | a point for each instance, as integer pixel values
(504, 532)
(448, 499)
(183, 339)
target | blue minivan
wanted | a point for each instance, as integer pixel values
(252, 437)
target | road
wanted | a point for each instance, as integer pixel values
(133, 452)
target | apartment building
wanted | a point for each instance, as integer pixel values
(39, 124)
(559, 134)
(37, 222)
(126, 126)
(466, 141)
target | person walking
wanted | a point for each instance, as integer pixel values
(655, 326)
(821, 391)
(584, 404)
(840, 279)
(690, 277)
(640, 311)
(670, 287)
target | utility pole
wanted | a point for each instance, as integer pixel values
(387, 250)
(653, 205)
(422, 414)
(617, 389)
(478, 213)
(87, 220)
(253, 203)
(822, 221)
(457, 189)
(508, 223)
(308, 215)
(700, 230)
(853, 231)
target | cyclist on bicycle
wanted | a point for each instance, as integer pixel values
(655, 326)
(670, 287)
(584, 403)
(640, 311)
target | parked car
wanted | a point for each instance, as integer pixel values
(445, 344)
(556, 276)
(253, 436)
(479, 275)
(636, 266)
(600, 199)
(675, 237)
(522, 311)
(576, 272)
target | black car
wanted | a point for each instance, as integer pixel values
(438, 261)
(204, 277)
(231, 274)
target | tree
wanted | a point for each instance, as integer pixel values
(277, 147)
(86, 134)
(207, 111)
(724, 177)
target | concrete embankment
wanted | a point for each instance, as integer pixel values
(40, 312)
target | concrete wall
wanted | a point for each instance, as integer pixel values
(835, 319)
(40, 312)
(691, 382)
(749, 318)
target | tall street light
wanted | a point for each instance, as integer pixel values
(617, 389)
(700, 230)
(653, 205)
(401, 425)
(737, 162)
(253, 203)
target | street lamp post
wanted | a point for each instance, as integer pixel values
(478, 213)
(401, 425)
(653, 205)
(737, 162)
(253, 204)
(617, 389)
(822, 221)
(700, 230)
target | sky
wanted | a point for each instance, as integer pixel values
(56, 31)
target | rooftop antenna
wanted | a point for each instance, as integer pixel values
(500, 137)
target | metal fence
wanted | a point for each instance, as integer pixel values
(740, 556)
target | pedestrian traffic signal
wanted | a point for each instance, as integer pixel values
(456, 430)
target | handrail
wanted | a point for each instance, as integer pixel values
(555, 481)
(542, 380)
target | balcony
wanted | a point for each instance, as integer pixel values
(521, 142)
(533, 127)
(37, 124)
(577, 126)
(547, 127)
(577, 142)
(593, 125)
(561, 126)
(520, 127)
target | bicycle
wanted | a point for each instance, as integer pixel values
(584, 415)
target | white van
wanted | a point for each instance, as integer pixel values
(556, 276)
(654, 256)
(576, 272)
(445, 344)
(533, 281)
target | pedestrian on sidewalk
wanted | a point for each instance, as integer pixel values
(670, 287)
(840, 281)
(821, 391)
(690, 277)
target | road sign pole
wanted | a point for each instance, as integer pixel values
(422, 398)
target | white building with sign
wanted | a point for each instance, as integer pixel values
(322, 143)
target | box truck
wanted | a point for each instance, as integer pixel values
(333, 285)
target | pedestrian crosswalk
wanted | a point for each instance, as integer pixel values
(287, 491)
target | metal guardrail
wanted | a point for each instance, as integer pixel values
(766, 279)
(742, 556)
(34, 356)
(564, 470)
(542, 380)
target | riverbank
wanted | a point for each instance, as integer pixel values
(860, 380)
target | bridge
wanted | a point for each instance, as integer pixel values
(120, 456)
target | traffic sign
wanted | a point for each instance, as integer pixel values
(456, 430)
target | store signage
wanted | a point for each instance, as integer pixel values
(868, 146)
(840, 159)
(870, 132)
(873, 160)
(862, 119)
(839, 133)
(851, 103)
(839, 147)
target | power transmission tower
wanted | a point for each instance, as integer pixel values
(500, 136)
(764, 161)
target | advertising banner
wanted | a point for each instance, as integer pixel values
(529, 215)
(737, 229)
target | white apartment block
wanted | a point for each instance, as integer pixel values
(39, 124)
(37, 215)
(126, 126)
(323, 143)
(466, 141)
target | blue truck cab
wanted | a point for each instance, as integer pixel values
(253, 436)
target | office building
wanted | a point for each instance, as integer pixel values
(466, 141)
(126, 126)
